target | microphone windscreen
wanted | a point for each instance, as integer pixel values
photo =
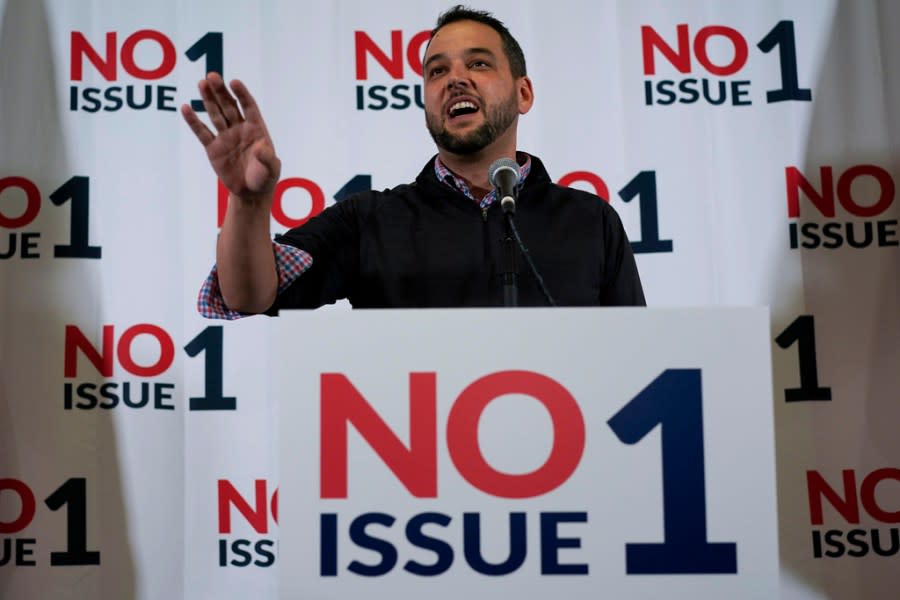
(498, 165)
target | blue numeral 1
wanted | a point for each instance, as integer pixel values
(210, 341)
(210, 45)
(674, 400)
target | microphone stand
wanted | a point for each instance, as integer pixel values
(510, 271)
(503, 174)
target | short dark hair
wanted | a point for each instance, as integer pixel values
(511, 47)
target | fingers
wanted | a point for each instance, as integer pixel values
(224, 99)
(248, 104)
(212, 107)
(197, 126)
(219, 104)
(222, 109)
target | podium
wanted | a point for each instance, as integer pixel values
(526, 453)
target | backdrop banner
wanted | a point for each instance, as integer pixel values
(751, 150)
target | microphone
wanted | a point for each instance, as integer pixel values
(504, 176)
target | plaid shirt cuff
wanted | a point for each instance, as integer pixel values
(290, 263)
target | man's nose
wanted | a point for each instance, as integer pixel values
(458, 77)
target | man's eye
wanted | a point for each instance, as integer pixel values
(435, 71)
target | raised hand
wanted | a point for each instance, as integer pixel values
(241, 151)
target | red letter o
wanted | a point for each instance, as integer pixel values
(28, 506)
(414, 51)
(568, 434)
(884, 181)
(737, 40)
(168, 54)
(166, 350)
(867, 494)
(315, 194)
(32, 208)
(594, 180)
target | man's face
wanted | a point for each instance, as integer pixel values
(471, 98)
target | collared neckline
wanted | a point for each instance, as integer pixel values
(452, 180)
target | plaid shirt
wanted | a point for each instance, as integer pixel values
(447, 176)
(291, 262)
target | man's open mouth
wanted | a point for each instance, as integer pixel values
(462, 107)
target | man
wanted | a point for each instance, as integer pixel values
(435, 242)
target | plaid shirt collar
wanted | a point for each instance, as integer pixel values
(448, 177)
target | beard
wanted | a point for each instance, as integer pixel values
(497, 120)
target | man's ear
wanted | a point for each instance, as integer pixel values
(525, 93)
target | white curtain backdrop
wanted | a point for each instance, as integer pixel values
(751, 150)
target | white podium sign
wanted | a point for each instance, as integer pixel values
(528, 453)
